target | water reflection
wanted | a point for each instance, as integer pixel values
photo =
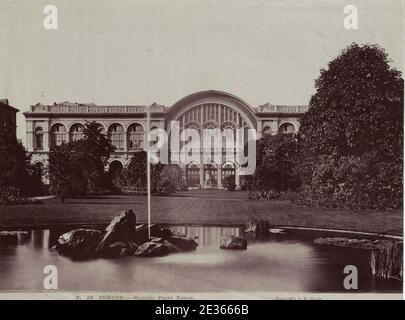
(207, 236)
(279, 262)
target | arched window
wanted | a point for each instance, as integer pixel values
(58, 134)
(76, 132)
(39, 139)
(101, 127)
(135, 136)
(39, 168)
(266, 131)
(228, 170)
(209, 139)
(193, 175)
(39, 171)
(228, 139)
(116, 135)
(245, 141)
(286, 128)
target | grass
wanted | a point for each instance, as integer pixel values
(197, 207)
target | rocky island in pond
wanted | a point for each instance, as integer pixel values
(123, 237)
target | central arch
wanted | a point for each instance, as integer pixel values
(212, 98)
(212, 110)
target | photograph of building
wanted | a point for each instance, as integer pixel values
(201, 149)
(125, 126)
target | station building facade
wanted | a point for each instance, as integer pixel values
(125, 125)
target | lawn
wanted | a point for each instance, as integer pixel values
(196, 207)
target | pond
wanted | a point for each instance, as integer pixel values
(283, 262)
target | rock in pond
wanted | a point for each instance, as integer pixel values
(152, 249)
(121, 229)
(233, 242)
(171, 247)
(142, 233)
(130, 249)
(11, 237)
(183, 243)
(119, 249)
(80, 243)
(123, 238)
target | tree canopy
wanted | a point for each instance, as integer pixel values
(15, 168)
(357, 107)
(351, 138)
(275, 166)
(77, 167)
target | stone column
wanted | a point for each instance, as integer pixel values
(274, 126)
(68, 137)
(46, 141)
(201, 166)
(219, 177)
(30, 136)
(260, 129)
(126, 141)
(237, 178)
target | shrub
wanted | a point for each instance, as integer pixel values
(275, 170)
(170, 179)
(245, 182)
(258, 225)
(66, 173)
(351, 138)
(134, 177)
(135, 174)
(260, 194)
(15, 168)
(13, 196)
(77, 167)
(354, 182)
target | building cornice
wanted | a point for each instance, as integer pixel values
(91, 115)
(91, 110)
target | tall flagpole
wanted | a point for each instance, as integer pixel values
(148, 166)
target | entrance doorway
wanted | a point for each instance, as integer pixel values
(210, 176)
(115, 171)
(193, 175)
(228, 170)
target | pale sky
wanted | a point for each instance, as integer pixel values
(140, 52)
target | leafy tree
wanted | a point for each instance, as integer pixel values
(15, 168)
(357, 107)
(171, 179)
(96, 142)
(355, 182)
(164, 178)
(135, 175)
(77, 167)
(352, 131)
(94, 150)
(275, 168)
(65, 172)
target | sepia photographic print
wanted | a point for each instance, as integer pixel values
(175, 150)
